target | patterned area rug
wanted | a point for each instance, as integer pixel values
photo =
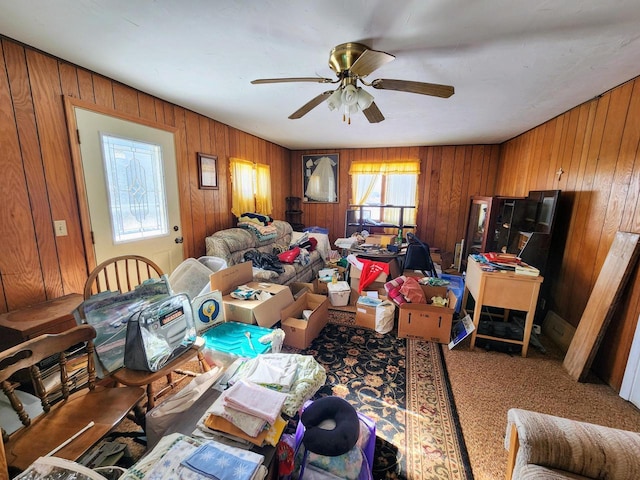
(403, 386)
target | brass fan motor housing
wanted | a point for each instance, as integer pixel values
(343, 56)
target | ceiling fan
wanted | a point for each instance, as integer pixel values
(352, 62)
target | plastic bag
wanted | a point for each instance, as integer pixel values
(54, 468)
(412, 291)
(384, 317)
(159, 333)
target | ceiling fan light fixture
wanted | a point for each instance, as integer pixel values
(365, 99)
(334, 101)
(350, 95)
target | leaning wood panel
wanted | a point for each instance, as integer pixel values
(602, 302)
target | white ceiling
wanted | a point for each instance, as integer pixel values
(514, 63)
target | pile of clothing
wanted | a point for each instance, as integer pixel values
(404, 289)
(258, 397)
(259, 224)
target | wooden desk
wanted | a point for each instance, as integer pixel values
(502, 290)
(53, 316)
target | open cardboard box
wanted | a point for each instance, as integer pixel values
(299, 333)
(427, 321)
(265, 313)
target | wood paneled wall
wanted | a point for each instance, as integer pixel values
(449, 176)
(595, 145)
(38, 187)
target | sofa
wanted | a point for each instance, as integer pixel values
(543, 446)
(231, 245)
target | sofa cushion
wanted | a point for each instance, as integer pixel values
(537, 472)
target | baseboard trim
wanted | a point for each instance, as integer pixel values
(558, 330)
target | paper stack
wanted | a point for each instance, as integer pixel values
(524, 269)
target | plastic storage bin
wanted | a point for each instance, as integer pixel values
(316, 229)
(456, 285)
(339, 293)
(213, 263)
(191, 277)
(231, 338)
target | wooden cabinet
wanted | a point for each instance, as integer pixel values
(485, 224)
(53, 316)
(519, 225)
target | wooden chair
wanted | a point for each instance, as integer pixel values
(4, 468)
(123, 274)
(71, 400)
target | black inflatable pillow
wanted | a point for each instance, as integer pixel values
(338, 440)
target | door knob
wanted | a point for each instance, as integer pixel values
(176, 228)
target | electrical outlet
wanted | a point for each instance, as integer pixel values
(60, 226)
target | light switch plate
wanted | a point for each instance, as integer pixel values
(60, 227)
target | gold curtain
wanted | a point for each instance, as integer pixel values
(263, 189)
(385, 168)
(242, 191)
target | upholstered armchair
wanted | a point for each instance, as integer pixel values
(546, 447)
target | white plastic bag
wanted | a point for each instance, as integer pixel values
(54, 468)
(158, 419)
(384, 317)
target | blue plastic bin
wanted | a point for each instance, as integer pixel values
(230, 338)
(456, 285)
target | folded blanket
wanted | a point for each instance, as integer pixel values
(249, 424)
(222, 462)
(263, 232)
(275, 371)
(262, 402)
(256, 218)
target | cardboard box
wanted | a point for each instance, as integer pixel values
(299, 333)
(382, 240)
(355, 273)
(299, 288)
(427, 321)
(265, 313)
(365, 314)
(320, 286)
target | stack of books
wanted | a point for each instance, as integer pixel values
(524, 269)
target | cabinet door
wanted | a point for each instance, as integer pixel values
(478, 225)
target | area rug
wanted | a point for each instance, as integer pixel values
(402, 385)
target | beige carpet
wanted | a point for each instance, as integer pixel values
(486, 384)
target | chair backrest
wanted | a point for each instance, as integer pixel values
(59, 372)
(56, 364)
(4, 467)
(122, 273)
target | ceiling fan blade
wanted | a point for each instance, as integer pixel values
(369, 61)
(434, 89)
(307, 107)
(293, 79)
(373, 113)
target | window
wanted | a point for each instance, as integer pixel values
(388, 183)
(251, 187)
(135, 185)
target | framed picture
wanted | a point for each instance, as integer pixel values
(320, 175)
(207, 171)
